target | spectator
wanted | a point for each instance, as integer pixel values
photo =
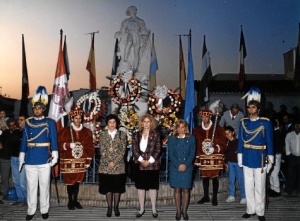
(9, 140)
(292, 146)
(232, 118)
(3, 119)
(19, 178)
(235, 172)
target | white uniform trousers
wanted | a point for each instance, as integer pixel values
(255, 188)
(274, 177)
(38, 174)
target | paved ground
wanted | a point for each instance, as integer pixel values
(280, 208)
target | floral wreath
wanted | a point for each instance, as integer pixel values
(132, 91)
(96, 104)
(166, 115)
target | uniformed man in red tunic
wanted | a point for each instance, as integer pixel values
(76, 152)
(211, 144)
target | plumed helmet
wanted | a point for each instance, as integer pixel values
(253, 94)
(40, 97)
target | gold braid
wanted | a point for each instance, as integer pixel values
(36, 126)
(254, 132)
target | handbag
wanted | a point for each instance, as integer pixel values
(134, 168)
(12, 194)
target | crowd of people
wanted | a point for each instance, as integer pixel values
(262, 148)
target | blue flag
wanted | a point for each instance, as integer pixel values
(190, 91)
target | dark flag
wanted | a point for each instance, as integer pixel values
(243, 55)
(297, 63)
(66, 58)
(207, 75)
(25, 83)
(116, 59)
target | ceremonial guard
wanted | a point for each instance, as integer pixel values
(255, 154)
(211, 145)
(76, 152)
(39, 151)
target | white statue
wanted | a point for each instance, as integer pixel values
(134, 41)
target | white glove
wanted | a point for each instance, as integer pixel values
(21, 160)
(270, 163)
(54, 158)
(240, 159)
(72, 145)
(87, 165)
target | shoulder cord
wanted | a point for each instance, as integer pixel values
(254, 132)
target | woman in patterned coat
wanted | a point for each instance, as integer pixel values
(112, 178)
(76, 152)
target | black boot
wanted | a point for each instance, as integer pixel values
(214, 201)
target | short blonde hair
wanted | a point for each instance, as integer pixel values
(153, 122)
(186, 126)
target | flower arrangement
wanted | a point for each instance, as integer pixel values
(163, 104)
(96, 107)
(129, 120)
(96, 133)
(125, 89)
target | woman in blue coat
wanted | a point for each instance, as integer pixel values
(181, 148)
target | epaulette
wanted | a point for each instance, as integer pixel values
(265, 118)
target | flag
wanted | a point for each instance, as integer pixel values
(243, 55)
(25, 83)
(153, 67)
(91, 66)
(207, 75)
(66, 58)
(116, 59)
(190, 91)
(182, 74)
(60, 90)
(297, 63)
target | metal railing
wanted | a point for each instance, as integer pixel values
(91, 175)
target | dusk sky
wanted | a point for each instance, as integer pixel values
(270, 28)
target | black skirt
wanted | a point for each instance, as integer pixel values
(147, 179)
(112, 183)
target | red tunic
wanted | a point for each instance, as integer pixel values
(73, 165)
(211, 164)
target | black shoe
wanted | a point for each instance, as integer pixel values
(71, 206)
(273, 193)
(109, 212)
(261, 218)
(138, 215)
(247, 216)
(185, 216)
(29, 217)
(45, 215)
(155, 215)
(117, 212)
(178, 216)
(214, 202)
(77, 205)
(1, 202)
(204, 199)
